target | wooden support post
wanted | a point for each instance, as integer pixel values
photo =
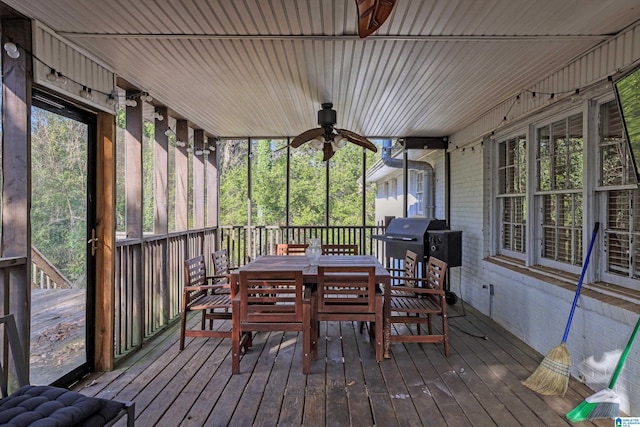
(133, 169)
(212, 184)
(182, 176)
(16, 170)
(161, 149)
(198, 180)
(106, 233)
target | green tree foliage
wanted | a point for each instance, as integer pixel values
(233, 182)
(307, 185)
(121, 177)
(59, 185)
(308, 181)
(345, 186)
(269, 195)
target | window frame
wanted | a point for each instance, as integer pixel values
(602, 194)
(537, 207)
(499, 196)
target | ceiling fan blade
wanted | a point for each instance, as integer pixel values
(306, 136)
(372, 14)
(328, 152)
(357, 139)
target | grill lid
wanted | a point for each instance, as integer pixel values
(412, 229)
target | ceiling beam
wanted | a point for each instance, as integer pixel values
(346, 37)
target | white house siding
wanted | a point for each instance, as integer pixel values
(528, 305)
(389, 205)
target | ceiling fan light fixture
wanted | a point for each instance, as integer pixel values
(340, 141)
(317, 143)
(329, 138)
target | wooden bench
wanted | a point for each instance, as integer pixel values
(49, 405)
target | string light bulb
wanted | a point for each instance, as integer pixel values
(144, 96)
(159, 117)
(111, 101)
(131, 102)
(61, 78)
(576, 96)
(86, 93)
(52, 76)
(12, 50)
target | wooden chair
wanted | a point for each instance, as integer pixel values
(271, 301)
(339, 249)
(291, 249)
(416, 300)
(213, 300)
(348, 293)
(221, 267)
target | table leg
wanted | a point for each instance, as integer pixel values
(386, 313)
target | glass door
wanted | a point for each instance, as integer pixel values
(62, 221)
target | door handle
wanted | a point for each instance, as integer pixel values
(93, 241)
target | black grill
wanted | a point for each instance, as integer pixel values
(409, 233)
(426, 237)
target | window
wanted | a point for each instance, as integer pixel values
(559, 189)
(393, 188)
(621, 196)
(416, 196)
(512, 180)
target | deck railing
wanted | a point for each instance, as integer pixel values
(45, 275)
(149, 271)
(149, 281)
(245, 243)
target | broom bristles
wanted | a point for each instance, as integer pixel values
(603, 404)
(551, 378)
(605, 410)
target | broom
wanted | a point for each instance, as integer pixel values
(605, 403)
(552, 376)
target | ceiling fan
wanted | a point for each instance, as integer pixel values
(329, 138)
(372, 14)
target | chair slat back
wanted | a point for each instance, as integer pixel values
(196, 271)
(436, 273)
(410, 267)
(346, 289)
(339, 249)
(220, 265)
(271, 296)
(291, 249)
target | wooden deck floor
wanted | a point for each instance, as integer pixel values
(478, 385)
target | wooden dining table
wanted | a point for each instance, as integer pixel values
(310, 274)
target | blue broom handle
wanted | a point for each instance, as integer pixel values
(584, 270)
(623, 357)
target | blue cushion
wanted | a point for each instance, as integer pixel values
(47, 406)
